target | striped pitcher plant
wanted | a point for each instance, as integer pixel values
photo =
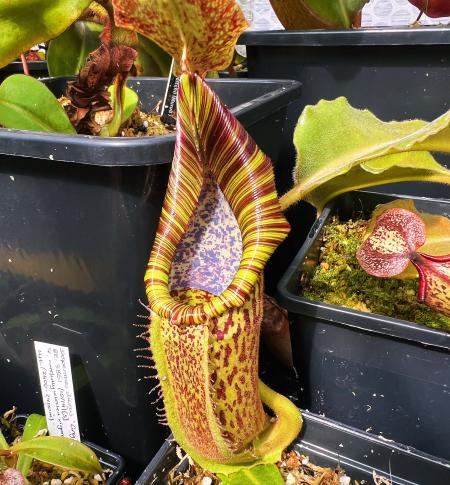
(220, 222)
(221, 218)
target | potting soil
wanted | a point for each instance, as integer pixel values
(339, 279)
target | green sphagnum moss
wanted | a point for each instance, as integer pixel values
(339, 280)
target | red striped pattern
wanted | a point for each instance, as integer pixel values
(209, 138)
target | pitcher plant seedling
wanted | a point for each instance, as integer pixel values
(16, 459)
(394, 242)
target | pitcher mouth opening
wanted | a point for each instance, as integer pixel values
(209, 253)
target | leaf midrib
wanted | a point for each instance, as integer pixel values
(27, 114)
(345, 17)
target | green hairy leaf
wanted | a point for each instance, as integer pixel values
(27, 104)
(24, 23)
(316, 14)
(60, 451)
(340, 148)
(33, 425)
(258, 475)
(67, 53)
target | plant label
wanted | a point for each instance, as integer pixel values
(55, 375)
(169, 105)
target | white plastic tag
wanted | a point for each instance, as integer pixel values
(55, 375)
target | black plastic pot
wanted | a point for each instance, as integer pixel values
(373, 372)
(239, 74)
(396, 73)
(77, 223)
(331, 444)
(108, 459)
(37, 69)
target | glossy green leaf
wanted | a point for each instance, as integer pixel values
(152, 60)
(67, 53)
(340, 148)
(24, 23)
(34, 424)
(60, 451)
(130, 101)
(315, 14)
(258, 475)
(27, 104)
(121, 112)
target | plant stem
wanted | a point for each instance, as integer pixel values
(290, 198)
(26, 70)
(418, 17)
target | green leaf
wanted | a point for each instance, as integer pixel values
(3, 442)
(121, 110)
(27, 104)
(33, 425)
(24, 23)
(340, 148)
(130, 101)
(258, 475)
(152, 60)
(3, 446)
(316, 14)
(338, 12)
(67, 53)
(60, 451)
